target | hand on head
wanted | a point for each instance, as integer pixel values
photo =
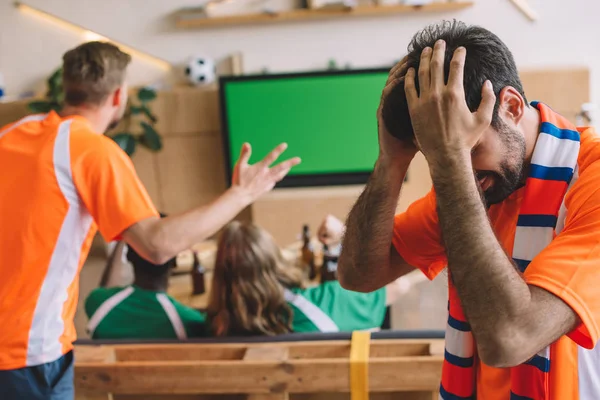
(257, 179)
(390, 148)
(441, 120)
(331, 231)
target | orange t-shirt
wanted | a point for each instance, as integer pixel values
(569, 268)
(59, 182)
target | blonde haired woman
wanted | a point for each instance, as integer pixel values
(256, 292)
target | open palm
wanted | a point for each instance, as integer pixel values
(258, 179)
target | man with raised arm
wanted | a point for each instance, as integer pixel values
(61, 181)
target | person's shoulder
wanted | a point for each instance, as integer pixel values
(336, 288)
(194, 321)
(584, 191)
(99, 296)
(589, 151)
(35, 126)
(311, 291)
(424, 206)
(332, 290)
(27, 122)
(80, 130)
(84, 141)
(186, 313)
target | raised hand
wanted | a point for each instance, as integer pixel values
(390, 148)
(441, 119)
(258, 179)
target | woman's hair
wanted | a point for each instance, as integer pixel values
(249, 278)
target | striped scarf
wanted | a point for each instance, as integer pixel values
(541, 218)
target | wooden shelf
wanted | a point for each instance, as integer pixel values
(194, 19)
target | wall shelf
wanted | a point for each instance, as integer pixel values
(194, 19)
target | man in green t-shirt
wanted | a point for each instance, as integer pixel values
(142, 310)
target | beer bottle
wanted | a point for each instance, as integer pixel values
(308, 254)
(198, 271)
(330, 262)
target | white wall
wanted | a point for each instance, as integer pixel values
(567, 34)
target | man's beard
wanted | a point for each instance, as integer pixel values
(512, 170)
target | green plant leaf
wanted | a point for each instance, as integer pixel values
(54, 95)
(150, 138)
(126, 141)
(55, 81)
(135, 110)
(146, 94)
(148, 113)
(56, 106)
(41, 106)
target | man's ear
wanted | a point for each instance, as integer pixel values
(511, 105)
(116, 97)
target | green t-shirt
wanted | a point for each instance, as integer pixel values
(329, 307)
(134, 313)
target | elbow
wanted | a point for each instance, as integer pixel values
(350, 284)
(344, 274)
(496, 358)
(155, 254)
(158, 251)
(349, 279)
(159, 258)
(502, 352)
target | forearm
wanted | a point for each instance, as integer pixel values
(493, 294)
(162, 239)
(365, 259)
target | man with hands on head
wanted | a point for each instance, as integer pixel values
(514, 214)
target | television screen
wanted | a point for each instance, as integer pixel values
(327, 119)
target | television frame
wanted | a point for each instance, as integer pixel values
(293, 181)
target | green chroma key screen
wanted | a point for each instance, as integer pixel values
(327, 119)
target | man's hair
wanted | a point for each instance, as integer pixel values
(145, 267)
(487, 58)
(92, 71)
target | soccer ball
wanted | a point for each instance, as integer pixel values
(201, 70)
